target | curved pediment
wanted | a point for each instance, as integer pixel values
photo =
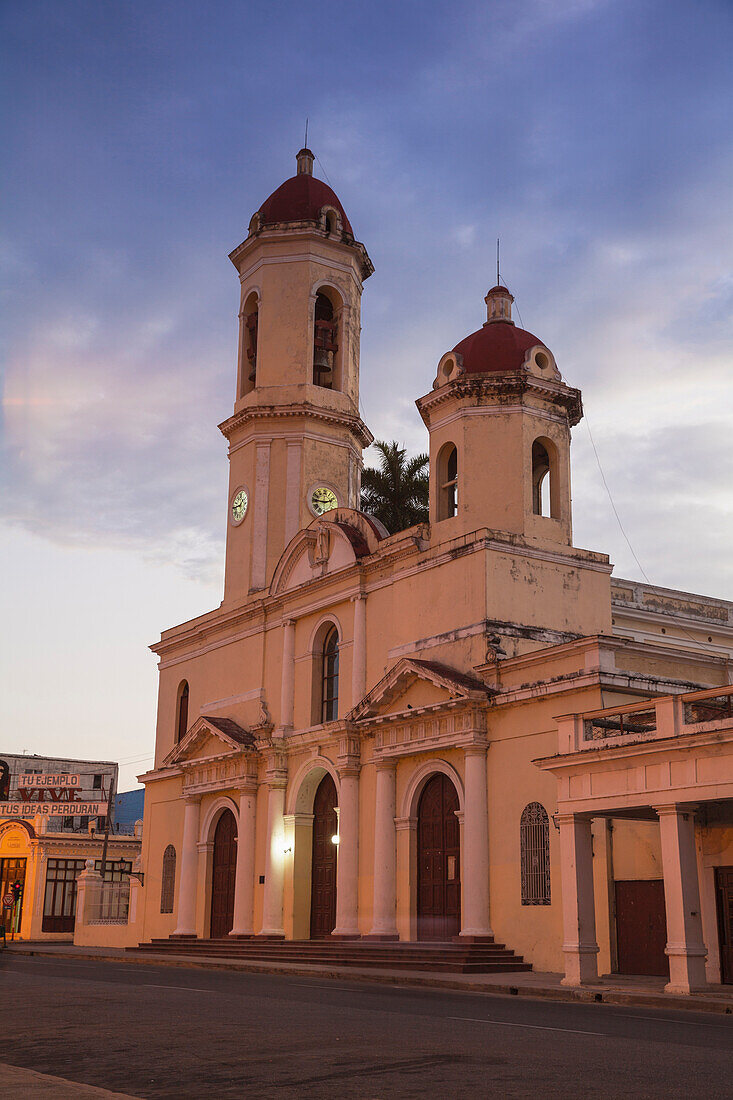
(336, 540)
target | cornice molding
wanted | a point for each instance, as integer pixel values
(301, 410)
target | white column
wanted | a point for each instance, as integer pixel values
(475, 853)
(685, 948)
(384, 925)
(358, 668)
(287, 689)
(244, 883)
(578, 902)
(347, 866)
(186, 909)
(272, 915)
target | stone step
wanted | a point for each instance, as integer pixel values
(469, 958)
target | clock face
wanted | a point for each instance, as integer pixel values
(323, 500)
(239, 506)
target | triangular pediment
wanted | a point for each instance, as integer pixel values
(210, 737)
(414, 685)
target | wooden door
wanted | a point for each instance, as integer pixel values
(323, 863)
(12, 870)
(724, 891)
(438, 861)
(223, 876)
(641, 927)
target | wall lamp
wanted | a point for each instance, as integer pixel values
(286, 850)
(335, 838)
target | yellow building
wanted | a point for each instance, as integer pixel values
(345, 745)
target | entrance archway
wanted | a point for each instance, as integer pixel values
(323, 862)
(438, 861)
(223, 876)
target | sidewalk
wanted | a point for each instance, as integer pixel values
(617, 989)
(20, 1084)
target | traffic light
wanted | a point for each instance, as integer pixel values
(17, 889)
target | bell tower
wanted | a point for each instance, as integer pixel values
(499, 417)
(296, 436)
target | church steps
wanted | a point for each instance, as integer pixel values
(450, 957)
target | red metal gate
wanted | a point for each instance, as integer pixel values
(724, 891)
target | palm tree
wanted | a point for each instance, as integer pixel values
(396, 491)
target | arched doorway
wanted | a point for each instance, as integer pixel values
(323, 863)
(438, 861)
(223, 876)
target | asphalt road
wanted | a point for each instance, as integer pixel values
(162, 1031)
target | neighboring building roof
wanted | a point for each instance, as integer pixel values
(497, 347)
(300, 199)
(230, 728)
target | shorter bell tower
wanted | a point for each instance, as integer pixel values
(295, 436)
(499, 417)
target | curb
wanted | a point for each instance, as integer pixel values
(590, 995)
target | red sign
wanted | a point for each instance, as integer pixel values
(9, 901)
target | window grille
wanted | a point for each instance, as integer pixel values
(534, 841)
(168, 882)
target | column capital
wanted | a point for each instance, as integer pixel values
(385, 763)
(358, 596)
(348, 761)
(205, 846)
(191, 799)
(248, 785)
(669, 809)
(477, 747)
(401, 823)
(568, 818)
(288, 620)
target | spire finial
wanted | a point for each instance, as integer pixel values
(498, 276)
(305, 143)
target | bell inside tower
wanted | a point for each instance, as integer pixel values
(325, 344)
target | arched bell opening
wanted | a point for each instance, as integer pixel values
(250, 326)
(327, 339)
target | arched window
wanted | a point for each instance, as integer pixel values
(545, 500)
(168, 880)
(4, 781)
(330, 677)
(447, 481)
(182, 716)
(534, 846)
(249, 344)
(325, 343)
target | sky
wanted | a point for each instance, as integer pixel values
(592, 136)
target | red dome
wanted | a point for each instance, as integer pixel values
(497, 347)
(300, 199)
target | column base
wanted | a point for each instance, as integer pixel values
(471, 938)
(183, 936)
(269, 936)
(346, 935)
(241, 935)
(382, 937)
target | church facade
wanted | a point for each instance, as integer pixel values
(359, 741)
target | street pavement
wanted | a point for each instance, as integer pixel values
(148, 1031)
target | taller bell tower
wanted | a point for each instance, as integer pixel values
(296, 436)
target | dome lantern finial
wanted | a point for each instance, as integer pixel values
(305, 162)
(499, 305)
